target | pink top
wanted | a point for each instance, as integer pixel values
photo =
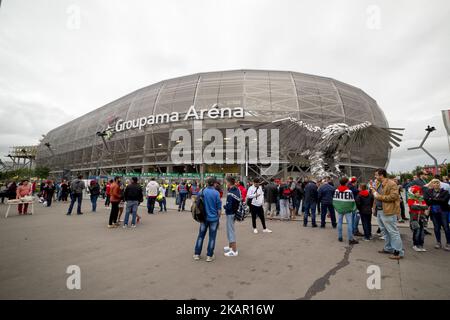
(23, 191)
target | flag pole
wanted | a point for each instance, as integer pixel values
(448, 140)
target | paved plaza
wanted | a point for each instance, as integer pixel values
(154, 261)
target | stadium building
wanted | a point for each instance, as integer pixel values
(132, 135)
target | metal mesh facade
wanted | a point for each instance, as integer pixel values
(264, 95)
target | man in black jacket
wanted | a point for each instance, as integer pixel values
(311, 199)
(297, 198)
(326, 193)
(271, 194)
(133, 196)
(364, 202)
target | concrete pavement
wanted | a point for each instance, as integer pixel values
(154, 261)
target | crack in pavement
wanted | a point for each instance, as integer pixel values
(320, 284)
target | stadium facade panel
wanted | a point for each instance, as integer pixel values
(79, 147)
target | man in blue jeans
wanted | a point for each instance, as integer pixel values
(387, 208)
(212, 205)
(77, 186)
(311, 198)
(133, 196)
(183, 191)
(326, 194)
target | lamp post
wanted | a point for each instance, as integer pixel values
(102, 134)
(428, 130)
(49, 148)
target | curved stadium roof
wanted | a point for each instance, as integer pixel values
(264, 95)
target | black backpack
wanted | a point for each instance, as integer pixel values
(198, 208)
(242, 210)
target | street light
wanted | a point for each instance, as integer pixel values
(47, 144)
(428, 130)
(103, 134)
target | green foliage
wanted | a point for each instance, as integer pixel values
(41, 172)
(418, 170)
(24, 173)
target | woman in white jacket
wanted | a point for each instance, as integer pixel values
(255, 196)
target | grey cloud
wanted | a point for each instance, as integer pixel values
(51, 74)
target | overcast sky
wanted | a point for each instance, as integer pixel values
(60, 59)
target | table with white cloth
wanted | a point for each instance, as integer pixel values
(16, 202)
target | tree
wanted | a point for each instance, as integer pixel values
(445, 170)
(17, 175)
(418, 170)
(41, 172)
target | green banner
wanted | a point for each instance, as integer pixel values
(117, 174)
(150, 174)
(215, 175)
(169, 175)
(192, 175)
(132, 174)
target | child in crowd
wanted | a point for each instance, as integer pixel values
(417, 207)
(364, 202)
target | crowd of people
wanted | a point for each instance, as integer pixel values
(307, 200)
(427, 197)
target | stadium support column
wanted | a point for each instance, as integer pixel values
(145, 150)
(202, 173)
(243, 175)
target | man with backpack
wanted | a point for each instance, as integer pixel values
(210, 204)
(231, 207)
(77, 186)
